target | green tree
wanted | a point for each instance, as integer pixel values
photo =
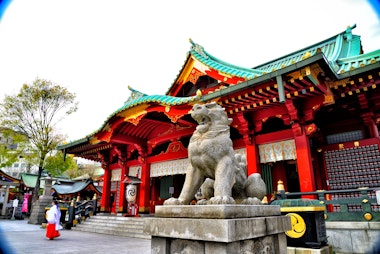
(56, 164)
(83, 169)
(15, 146)
(35, 112)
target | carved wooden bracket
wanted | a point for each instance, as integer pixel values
(368, 118)
(243, 127)
(292, 110)
(142, 152)
(120, 153)
(297, 129)
(286, 119)
(308, 115)
(363, 102)
(258, 126)
(103, 160)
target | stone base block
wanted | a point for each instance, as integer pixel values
(218, 229)
(268, 244)
(37, 215)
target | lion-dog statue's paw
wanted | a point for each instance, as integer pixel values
(202, 202)
(173, 201)
(219, 200)
(251, 201)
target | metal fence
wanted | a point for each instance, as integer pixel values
(344, 205)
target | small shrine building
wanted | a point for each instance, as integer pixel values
(309, 118)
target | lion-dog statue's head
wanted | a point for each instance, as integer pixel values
(209, 116)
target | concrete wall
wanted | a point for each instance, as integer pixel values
(352, 237)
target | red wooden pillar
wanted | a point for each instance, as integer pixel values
(155, 194)
(144, 188)
(104, 207)
(122, 200)
(253, 160)
(304, 161)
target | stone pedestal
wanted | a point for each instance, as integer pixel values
(37, 215)
(218, 229)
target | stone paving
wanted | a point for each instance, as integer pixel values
(21, 237)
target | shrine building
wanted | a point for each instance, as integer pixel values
(309, 118)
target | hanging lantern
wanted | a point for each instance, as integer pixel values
(131, 192)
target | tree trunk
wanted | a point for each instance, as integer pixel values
(38, 184)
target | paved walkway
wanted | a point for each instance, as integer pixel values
(20, 237)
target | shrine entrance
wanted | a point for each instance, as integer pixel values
(285, 171)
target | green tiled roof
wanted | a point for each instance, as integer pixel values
(339, 46)
(199, 53)
(136, 98)
(70, 187)
(356, 62)
(30, 180)
(342, 52)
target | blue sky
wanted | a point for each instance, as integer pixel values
(98, 48)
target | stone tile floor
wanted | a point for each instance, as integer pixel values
(21, 237)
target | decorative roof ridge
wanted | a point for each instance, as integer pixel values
(203, 55)
(164, 99)
(336, 38)
(134, 95)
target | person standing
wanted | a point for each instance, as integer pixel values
(53, 217)
(111, 200)
(25, 205)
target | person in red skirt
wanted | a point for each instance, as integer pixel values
(53, 217)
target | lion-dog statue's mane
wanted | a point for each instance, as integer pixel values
(214, 167)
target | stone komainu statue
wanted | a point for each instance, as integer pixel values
(214, 167)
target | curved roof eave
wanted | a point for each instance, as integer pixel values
(8, 178)
(164, 100)
(71, 189)
(342, 44)
(333, 48)
(356, 62)
(201, 55)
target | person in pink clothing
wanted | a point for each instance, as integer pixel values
(25, 207)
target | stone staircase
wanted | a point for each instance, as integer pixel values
(114, 225)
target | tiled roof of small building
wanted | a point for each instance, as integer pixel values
(71, 187)
(30, 180)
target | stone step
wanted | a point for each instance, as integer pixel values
(114, 225)
(119, 221)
